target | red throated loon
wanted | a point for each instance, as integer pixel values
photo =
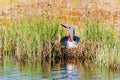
(71, 40)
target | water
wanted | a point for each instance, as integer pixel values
(10, 69)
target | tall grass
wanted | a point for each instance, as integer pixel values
(32, 37)
(107, 40)
(26, 39)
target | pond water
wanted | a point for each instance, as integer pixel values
(10, 69)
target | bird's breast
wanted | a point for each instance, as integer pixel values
(66, 43)
(71, 44)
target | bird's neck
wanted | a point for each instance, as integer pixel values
(70, 38)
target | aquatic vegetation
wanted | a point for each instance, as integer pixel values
(38, 37)
(107, 43)
(33, 31)
(26, 39)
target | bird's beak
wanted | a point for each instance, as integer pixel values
(63, 26)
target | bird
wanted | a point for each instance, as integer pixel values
(70, 47)
(69, 44)
(71, 40)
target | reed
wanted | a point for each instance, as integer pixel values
(106, 40)
(26, 39)
(33, 38)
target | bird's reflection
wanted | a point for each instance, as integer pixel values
(72, 69)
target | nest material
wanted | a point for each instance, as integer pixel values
(69, 52)
(85, 50)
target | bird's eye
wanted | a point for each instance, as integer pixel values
(69, 27)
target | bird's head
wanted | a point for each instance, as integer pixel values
(71, 32)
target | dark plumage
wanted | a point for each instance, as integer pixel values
(64, 40)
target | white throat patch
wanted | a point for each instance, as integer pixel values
(71, 44)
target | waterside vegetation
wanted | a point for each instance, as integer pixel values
(36, 37)
(39, 37)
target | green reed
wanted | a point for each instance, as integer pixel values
(32, 36)
(26, 38)
(107, 42)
